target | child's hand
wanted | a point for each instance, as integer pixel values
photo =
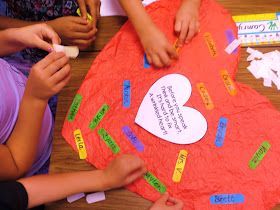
(158, 50)
(36, 36)
(93, 6)
(74, 31)
(162, 203)
(186, 23)
(48, 76)
(123, 170)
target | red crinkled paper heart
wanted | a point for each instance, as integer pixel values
(209, 170)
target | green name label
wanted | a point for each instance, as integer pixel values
(109, 140)
(152, 180)
(259, 155)
(98, 117)
(74, 108)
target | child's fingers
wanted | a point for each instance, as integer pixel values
(163, 199)
(92, 9)
(172, 52)
(136, 174)
(78, 20)
(178, 26)
(177, 203)
(59, 76)
(50, 58)
(83, 9)
(62, 83)
(55, 66)
(156, 61)
(43, 45)
(98, 5)
(164, 57)
(83, 36)
(83, 44)
(192, 30)
(183, 33)
(49, 33)
(149, 58)
(82, 28)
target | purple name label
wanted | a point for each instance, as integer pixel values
(133, 138)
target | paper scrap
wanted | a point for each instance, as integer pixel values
(265, 66)
(109, 141)
(227, 199)
(74, 107)
(259, 155)
(70, 51)
(180, 165)
(80, 143)
(99, 116)
(133, 138)
(233, 46)
(75, 197)
(126, 93)
(95, 197)
(152, 180)
(221, 132)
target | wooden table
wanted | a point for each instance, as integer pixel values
(64, 159)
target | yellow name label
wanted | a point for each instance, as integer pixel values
(211, 44)
(176, 47)
(180, 165)
(205, 96)
(80, 144)
(230, 86)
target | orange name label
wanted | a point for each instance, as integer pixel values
(205, 96)
(211, 44)
(230, 86)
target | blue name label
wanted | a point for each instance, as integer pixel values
(227, 199)
(146, 62)
(126, 93)
(133, 138)
(221, 132)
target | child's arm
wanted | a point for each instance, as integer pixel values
(158, 49)
(165, 201)
(47, 188)
(7, 22)
(46, 78)
(186, 23)
(15, 39)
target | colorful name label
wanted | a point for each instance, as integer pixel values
(180, 165)
(176, 47)
(109, 141)
(205, 96)
(80, 144)
(126, 93)
(89, 17)
(98, 117)
(74, 107)
(210, 44)
(230, 38)
(221, 132)
(146, 62)
(152, 180)
(259, 155)
(227, 199)
(133, 138)
(230, 86)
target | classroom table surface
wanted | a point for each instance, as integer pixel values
(64, 159)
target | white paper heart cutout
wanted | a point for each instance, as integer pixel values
(162, 111)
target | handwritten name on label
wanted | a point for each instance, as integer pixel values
(221, 132)
(259, 155)
(152, 180)
(211, 44)
(98, 117)
(146, 62)
(109, 140)
(230, 86)
(180, 165)
(205, 96)
(74, 107)
(80, 144)
(133, 138)
(126, 93)
(227, 199)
